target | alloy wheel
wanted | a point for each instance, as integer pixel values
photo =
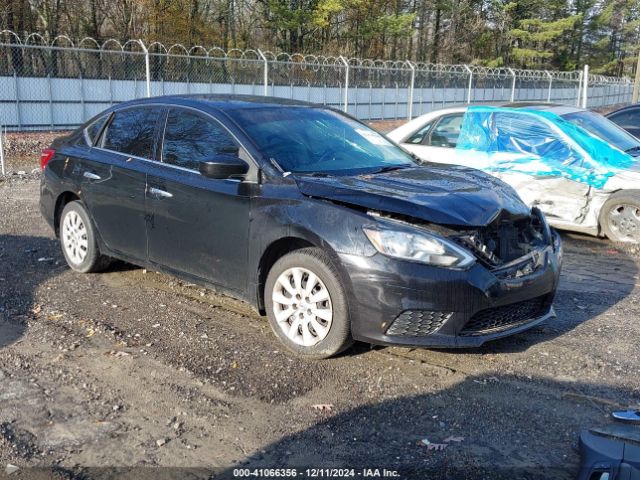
(624, 221)
(74, 237)
(302, 306)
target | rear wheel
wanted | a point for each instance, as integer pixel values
(620, 217)
(307, 305)
(78, 240)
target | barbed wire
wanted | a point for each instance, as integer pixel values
(302, 60)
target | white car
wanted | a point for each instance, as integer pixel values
(579, 168)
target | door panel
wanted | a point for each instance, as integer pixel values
(116, 201)
(432, 154)
(454, 156)
(558, 197)
(199, 226)
(114, 178)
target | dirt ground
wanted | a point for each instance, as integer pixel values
(133, 370)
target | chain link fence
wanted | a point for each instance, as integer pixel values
(60, 84)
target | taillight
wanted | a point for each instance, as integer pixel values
(46, 155)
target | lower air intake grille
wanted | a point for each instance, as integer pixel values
(417, 323)
(497, 319)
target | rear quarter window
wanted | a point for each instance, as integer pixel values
(92, 132)
(446, 132)
(132, 131)
(420, 136)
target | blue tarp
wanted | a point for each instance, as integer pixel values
(539, 143)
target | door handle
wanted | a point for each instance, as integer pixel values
(156, 192)
(91, 176)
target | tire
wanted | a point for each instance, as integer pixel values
(316, 336)
(78, 240)
(620, 216)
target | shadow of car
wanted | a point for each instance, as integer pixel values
(487, 426)
(26, 262)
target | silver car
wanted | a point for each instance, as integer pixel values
(578, 167)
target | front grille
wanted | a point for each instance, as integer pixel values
(497, 319)
(417, 323)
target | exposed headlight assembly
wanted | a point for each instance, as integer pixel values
(418, 246)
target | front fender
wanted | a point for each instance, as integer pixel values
(334, 228)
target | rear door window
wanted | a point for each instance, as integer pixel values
(190, 138)
(132, 131)
(527, 134)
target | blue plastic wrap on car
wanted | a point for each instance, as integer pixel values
(539, 143)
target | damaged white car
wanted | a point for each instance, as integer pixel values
(579, 168)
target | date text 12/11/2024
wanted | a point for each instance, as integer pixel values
(315, 473)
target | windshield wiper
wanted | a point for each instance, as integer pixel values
(633, 149)
(390, 168)
(313, 174)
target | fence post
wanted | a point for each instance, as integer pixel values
(384, 97)
(147, 66)
(1, 153)
(636, 82)
(470, 82)
(585, 86)
(579, 89)
(50, 100)
(411, 86)
(82, 99)
(346, 82)
(550, 82)
(513, 84)
(265, 73)
(17, 86)
(110, 91)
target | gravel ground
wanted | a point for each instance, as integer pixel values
(132, 369)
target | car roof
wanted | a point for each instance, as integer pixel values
(557, 108)
(220, 101)
(402, 132)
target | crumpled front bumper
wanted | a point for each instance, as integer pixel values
(397, 302)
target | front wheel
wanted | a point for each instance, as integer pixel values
(307, 305)
(620, 217)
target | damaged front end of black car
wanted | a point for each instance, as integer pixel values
(457, 258)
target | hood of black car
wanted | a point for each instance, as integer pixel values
(443, 194)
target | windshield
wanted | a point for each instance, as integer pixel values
(597, 125)
(318, 140)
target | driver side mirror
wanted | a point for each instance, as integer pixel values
(224, 165)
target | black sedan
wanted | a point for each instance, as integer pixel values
(307, 214)
(627, 118)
